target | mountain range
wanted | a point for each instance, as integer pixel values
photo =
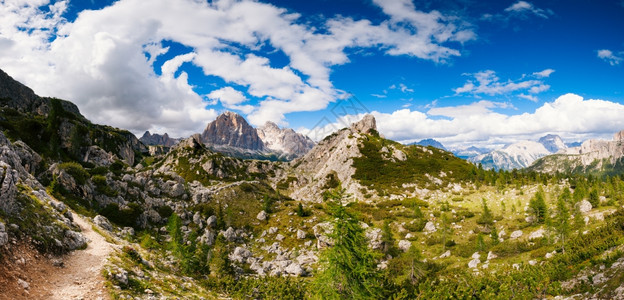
(521, 154)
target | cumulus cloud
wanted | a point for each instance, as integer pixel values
(610, 57)
(104, 60)
(487, 83)
(478, 124)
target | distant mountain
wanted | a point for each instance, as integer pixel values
(469, 152)
(231, 134)
(158, 140)
(593, 156)
(284, 140)
(552, 143)
(429, 142)
(574, 144)
(515, 156)
(232, 130)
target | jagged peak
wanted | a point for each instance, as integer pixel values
(365, 125)
(619, 136)
(269, 124)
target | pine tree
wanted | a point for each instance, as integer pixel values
(486, 216)
(561, 222)
(494, 235)
(594, 199)
(348, 269)
(538, 206)
(388, 241)
(220, 265)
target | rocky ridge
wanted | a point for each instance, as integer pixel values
(284, 140)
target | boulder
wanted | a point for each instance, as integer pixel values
(430, 227)
(405, 245)
(294, 269)
(229, 234)
(301, 234)
(476, 255)
(584, 206)
(366, 125)
(474, 263)
(537, 234)
(445, 254)
(211, 221)
(4, 236)
(516, 234)
(262, 215)
(399, 155)
(491, 255)
(279, 237)
(98, 156)
(74, 240)
(374, 237)
(207, 238)
(240, 255)
(103, 222)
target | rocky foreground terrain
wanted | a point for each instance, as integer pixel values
(195, 223)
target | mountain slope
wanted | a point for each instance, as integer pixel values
(521, 154)
(284, 140)
(593, 156)
(232, 130)
(158, 140)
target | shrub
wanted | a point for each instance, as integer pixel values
(75, 170)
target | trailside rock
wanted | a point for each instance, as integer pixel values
(103, 222)
(4, 236)
(74, 240)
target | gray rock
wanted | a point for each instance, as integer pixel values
(301, 234)
(279, 237)
(584, 206)
(177, 190)
(230, 234)
(197, 219)
(25, 285)
(446, 254)
(4, 236)
(262, 216)
(98, 156)
(474, 263)
(430, 227)
(399, 155)
(207, 238)
(211, 221)
(240, 255)
(538, 234)
(405, 245)
(272, 230)
(374, 238)
(74, 240)
(295, 269)
(516, 234)
(491, 255)
(103, 222)
(121, 276)
(129, 231)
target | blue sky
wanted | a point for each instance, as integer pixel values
(465, 72)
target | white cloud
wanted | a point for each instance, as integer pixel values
(610, 57)
(231, 98)
(528, 97)
(477, 124)
(544, 74)
(486, 82)
(523, 7)
(104, 60)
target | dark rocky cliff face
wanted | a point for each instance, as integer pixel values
(231, 129)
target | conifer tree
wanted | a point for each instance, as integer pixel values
(348, 269)
(538, 206)
(486, 215)
(561, 222)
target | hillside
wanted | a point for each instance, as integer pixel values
(598, 157)
(410, 222)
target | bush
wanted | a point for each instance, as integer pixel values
(124, 217)
(75, 170)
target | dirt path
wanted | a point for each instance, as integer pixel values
(81, 277)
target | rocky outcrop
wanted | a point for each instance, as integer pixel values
(332, 157)
(591, 156)
(231, 129)
(284, 140)
(158, 140)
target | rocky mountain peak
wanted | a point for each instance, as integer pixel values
(231, 129)
(619, 136)
(552, 143)
(158, 140)
(366, 125)
(284, 140)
